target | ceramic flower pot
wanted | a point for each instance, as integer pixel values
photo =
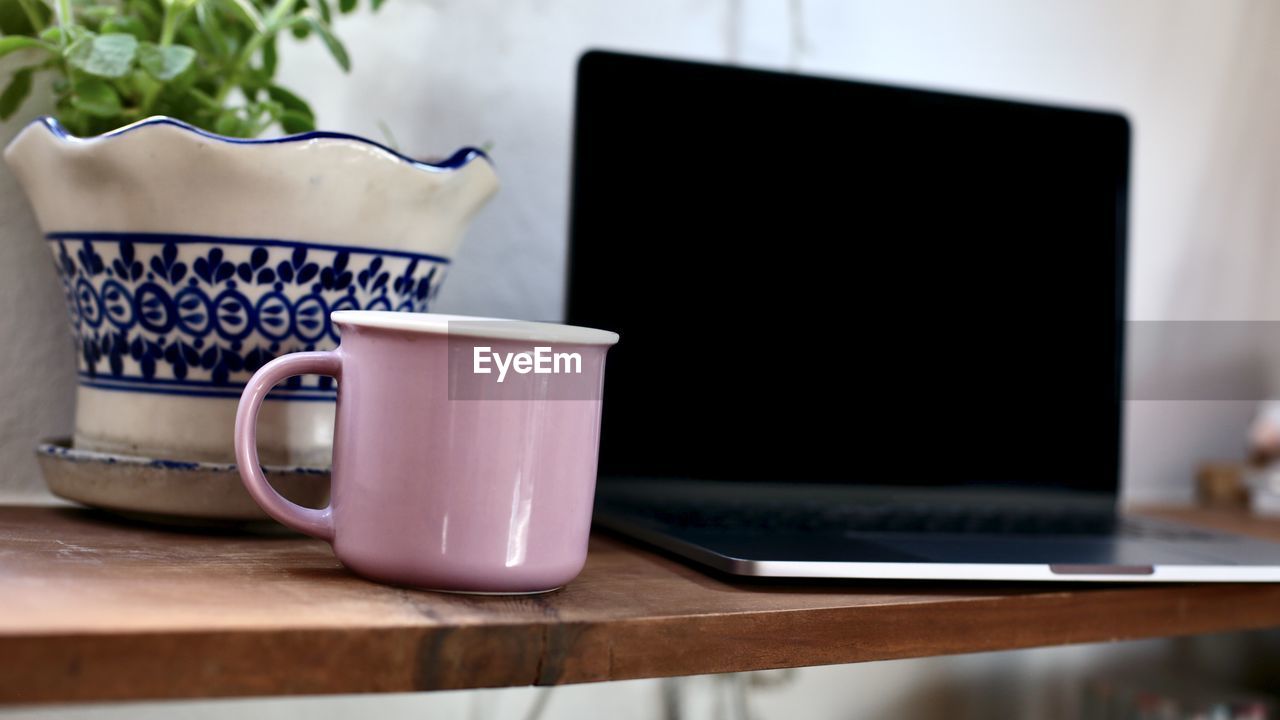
(189, 260)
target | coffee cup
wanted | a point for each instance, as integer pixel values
(464, 449)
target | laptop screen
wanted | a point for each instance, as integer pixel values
(829, 281)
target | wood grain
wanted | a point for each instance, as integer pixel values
(92, 608)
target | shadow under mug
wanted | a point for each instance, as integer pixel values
(464, 452)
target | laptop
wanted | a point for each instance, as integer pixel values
(867, 331)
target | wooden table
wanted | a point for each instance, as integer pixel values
(92, 608)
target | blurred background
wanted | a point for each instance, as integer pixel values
(1200, 82)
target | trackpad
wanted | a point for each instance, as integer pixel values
(1043, 550)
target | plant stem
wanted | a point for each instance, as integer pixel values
(233, 77)
(149, 99)
(205, 98)
(275, 22)
(174, 14)
(167, 26)
(64, 19)
(278, 13)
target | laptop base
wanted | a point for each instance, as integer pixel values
(703, 522)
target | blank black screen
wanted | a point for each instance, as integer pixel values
(828, 281)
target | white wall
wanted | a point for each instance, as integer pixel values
(1198, 79)
(37, 359)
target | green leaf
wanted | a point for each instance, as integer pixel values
(388, 137)
(346, 6)
(377, 4)
(293, 121)
(142, 82)
(10, 43)
(336, 49)
(97, 98)
(265, 107)
(269, 57)
(18, 89)
(147, 13)
(165, 63)
(14, 20)
(18, 17)
(210, 28)
(253, 81)
(52, 35)
(74, 120)
(289, 101)
(109, 56)
(228, 123)
(126, 24)
(97, 13)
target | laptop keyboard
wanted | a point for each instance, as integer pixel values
(862, 518)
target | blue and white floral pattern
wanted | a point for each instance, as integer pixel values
(197, 315)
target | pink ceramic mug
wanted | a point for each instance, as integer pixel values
(464, 456)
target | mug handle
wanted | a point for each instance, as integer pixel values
(317, 523)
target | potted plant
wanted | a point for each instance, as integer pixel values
(191, 253)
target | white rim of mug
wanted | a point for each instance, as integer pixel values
(478, 327)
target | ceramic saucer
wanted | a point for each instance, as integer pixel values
(170, 491)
